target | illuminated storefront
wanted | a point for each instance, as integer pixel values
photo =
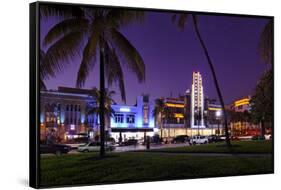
(133, 122)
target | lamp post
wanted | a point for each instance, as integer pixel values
(218, 115)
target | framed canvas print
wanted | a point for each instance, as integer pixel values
(121, 95)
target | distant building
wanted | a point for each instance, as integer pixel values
(214, 117)
(241, 124)
(175, 118)
(242, 104)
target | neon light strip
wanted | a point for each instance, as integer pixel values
(242, 100)
(240, 104)
(174, 105)
(214, 109)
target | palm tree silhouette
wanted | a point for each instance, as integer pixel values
(99, 29)
(108, 111)
(181, 22)
(159, 111)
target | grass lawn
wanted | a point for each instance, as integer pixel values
(143, 166)
(238, 147)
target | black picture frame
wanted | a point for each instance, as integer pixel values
(34, 90)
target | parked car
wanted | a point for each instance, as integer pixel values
(57, 149)
(110, 141)
(258, 137)
(181, 139)
(94, 147)
(199, 140)
(214, 139)
(129, 142)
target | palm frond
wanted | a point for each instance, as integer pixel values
(95, 93)
(88, 59)
(45, 70)
(119, 18)
(113, 70)
(42, 84)
(63, 51)
(180, 20)
(131, 56)
(64, 27)
(60, 11)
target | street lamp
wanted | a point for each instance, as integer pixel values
(218, 115)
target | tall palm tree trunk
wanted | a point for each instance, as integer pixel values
(214, 77)
(102, 99)
(161, 126)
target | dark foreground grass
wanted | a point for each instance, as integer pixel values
(250, 147)
(140, 166)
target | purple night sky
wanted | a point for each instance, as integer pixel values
(171, 55)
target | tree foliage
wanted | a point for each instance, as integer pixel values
(81, 32)
(266, 43)
(262, 100)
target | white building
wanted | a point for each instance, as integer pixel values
(133, 122)
(197, 101)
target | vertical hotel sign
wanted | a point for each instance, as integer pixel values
(145, 114)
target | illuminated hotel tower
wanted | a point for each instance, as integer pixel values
(197, 101)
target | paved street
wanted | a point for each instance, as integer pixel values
(132, 148)
(143, 147)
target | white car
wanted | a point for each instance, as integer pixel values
(93, 147)
(199, 140)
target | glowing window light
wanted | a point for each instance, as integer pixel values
(178, 115)
(214, 109)
(124, 109)
(175, 105)
(72, 127)
(242, 101)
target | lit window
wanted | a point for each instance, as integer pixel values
(130, 118)
(118, 118)
(72, 127)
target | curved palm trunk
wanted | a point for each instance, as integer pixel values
(214, 77)
(161, 126)
(102, 100)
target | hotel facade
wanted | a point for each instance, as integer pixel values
(136, 121)
(64, 115)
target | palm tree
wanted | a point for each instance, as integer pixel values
(99, 29)
(181, 21)
(159, 111)
(108, 111)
